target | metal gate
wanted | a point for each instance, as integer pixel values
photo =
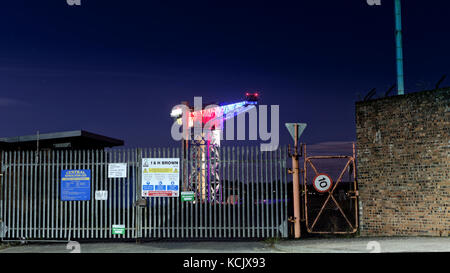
(253, 203)
(333, 210)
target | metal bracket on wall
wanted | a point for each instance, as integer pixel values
(141, 203)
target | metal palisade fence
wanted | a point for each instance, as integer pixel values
(249, 186)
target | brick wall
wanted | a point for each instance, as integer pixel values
(403, 157)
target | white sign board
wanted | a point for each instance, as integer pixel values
(117, 170)
(322, 182)
(101, 195)
(160, 177)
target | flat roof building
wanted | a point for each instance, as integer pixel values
(78, 139)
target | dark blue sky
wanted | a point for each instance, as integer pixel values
(117, 67)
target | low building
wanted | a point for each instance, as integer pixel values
(75, 140)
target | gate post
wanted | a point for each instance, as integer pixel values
(296, 129)
(139, 200)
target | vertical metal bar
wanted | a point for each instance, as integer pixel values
(277, 193)
(40, 196)
(267, 195)
(79, 204)
(20, 201)
(12, 193)
(3, 168)
(44, 200)
(49, 197)
(95, 203)
(108, 159)
(84, 213)
(261, 203)
(91, 203)
(208, 190)
(27, 196)
(134, 184)
(71, 204)
(123, 196)
(203, 170)
(58, 194)
(7, 191)
(214, 203)
(102, 224)
(172, 200)
(2, 189)
(229, 162)
(127, 194)
(164, 204)
(258, 198)
(10, 197)
(239, 192)
(9, 186)
(33, 195)
(147, 226)
(252, 178)
(285, 185)
(112, 186)
(64, 203)
(233, 173)
(180, 207)
(247, 184)
(147, 210)
(52, 193)
(160, 207)
(164, 201)
(177, 212)
(193, 182)
(155, 153)
(14, 190)
(221, 190)
(271, 204)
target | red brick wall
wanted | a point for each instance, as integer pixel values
(403, 157)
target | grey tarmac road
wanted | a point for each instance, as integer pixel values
(334, 245)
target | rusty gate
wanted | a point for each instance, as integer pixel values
(330, 194)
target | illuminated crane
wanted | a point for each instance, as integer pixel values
(203, 148)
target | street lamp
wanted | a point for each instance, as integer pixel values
(398, 42)
(399, 47)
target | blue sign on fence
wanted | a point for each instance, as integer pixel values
(75, 185)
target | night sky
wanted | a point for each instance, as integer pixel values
(117, 67)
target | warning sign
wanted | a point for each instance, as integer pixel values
(160, 177)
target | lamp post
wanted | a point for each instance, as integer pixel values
(399, 47)
(398, 42)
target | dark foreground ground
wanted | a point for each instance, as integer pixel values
(312, 245)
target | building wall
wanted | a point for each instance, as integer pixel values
(403, 157)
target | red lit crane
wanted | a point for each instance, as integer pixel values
(202, 149)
